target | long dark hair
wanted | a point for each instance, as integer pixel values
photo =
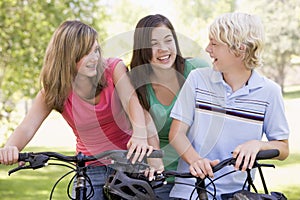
(142, 54)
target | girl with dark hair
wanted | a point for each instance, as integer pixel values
(158, 71)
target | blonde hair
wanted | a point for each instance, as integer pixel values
(244, 35)
(71, 41)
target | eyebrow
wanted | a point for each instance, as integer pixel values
(170, 35)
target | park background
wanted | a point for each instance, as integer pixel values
(26, 28)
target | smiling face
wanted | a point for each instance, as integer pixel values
(163, 48)
(87, 66)
(222, 58)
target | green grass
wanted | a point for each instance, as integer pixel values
(292, 192)
(37, 184)
(292, 92)
(292, 159)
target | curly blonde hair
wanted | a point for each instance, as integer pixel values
(244, 35)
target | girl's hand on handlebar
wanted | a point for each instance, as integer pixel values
(140, 148)
(156, 165)
(245, 154)
(9, 155)
(203, 167)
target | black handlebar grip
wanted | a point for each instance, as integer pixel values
(156, 154)
(267, 154)
(23, 156)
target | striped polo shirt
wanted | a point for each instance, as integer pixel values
(221, 119)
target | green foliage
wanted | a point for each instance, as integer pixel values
(191, 24)
(26, 28)
(281, 19)
(195, 15)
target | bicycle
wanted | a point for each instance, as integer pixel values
(128, 180)
(118, 191)
(116, 158)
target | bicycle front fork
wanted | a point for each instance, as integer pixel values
(201, 189)
(81, 187)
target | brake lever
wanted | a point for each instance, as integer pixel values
(38, 161)
(18, 168)
(35, 162)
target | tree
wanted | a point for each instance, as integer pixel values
(26, 28)
(281, 19)
(194, 16)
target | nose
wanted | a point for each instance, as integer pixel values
(162, 46)
(94, 56)
(208, 49)
(92, 59)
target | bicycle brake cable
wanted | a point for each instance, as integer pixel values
(56, 183)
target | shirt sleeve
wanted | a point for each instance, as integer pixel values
(275, 124)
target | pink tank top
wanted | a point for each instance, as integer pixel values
(100, 127)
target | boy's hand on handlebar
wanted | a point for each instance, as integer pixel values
(245, 154)
(9, 155)
(140, 148)
(203, 167)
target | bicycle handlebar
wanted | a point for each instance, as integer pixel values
(39, 159)
(261, 155)
(113, 154)
(121, 163)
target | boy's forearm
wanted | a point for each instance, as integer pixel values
(185, 149)
(281, 145)
(181, 143)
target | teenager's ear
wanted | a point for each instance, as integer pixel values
(243, 48)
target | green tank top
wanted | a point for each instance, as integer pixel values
(161, 116)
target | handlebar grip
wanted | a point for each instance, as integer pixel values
(156, 154)
(170, 173)
(267, 154)
(23, 156)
